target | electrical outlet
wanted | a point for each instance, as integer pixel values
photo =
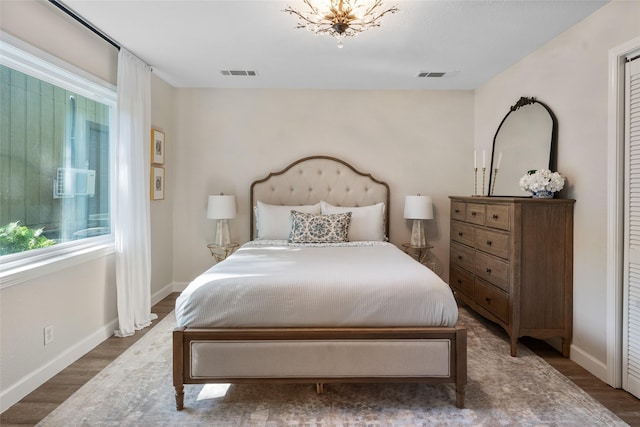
(48, 334)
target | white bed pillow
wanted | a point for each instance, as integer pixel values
(273, 222)
(367, 222)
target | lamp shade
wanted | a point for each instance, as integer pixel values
(221, 206)
(418, 207)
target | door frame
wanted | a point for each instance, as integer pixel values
(615, 205)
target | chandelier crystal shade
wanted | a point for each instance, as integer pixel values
(340, 18)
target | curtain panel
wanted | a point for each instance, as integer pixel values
(131, 195)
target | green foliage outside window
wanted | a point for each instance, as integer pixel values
(16, 238)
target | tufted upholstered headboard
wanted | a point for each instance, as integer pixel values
(311, 179)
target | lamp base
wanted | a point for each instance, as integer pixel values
(417, 234)
(222, 233)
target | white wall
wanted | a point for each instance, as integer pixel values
(417, 141)
(45, 26)
(569, 74)
(79, 301)
(162, 111)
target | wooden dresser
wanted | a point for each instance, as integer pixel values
(512, 262)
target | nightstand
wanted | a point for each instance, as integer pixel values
(222, 252)
(419, 253)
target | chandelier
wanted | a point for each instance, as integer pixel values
(341, 18)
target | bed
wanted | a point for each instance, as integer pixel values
(318, 307)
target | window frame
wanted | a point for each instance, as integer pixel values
(28, 265)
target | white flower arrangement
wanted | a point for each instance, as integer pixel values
(542, 180)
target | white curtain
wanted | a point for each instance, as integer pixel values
(131, 201)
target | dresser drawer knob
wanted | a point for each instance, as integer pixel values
(489, 243)
(460, 257)
(488, 270)
(459, 282)
(488, 300)
(460, 233)
(457, 210)
(495, 217)
(473, 214)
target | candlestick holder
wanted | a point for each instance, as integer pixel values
(484, 170)
(493, 184)
(475, 181)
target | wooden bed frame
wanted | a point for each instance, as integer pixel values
(312, 353)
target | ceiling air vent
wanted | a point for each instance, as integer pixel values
(437, 74)
(431, 74)
(239, 73)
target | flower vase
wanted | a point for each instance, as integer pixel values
(543, 194)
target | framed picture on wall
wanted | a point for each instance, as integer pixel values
(157, 183)
(157, 147)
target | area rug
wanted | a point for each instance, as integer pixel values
(136, 390)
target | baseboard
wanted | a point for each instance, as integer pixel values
(588, 362)
(162, 293)
(35, 379)
(180, 286)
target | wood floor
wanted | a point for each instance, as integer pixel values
(34, 407)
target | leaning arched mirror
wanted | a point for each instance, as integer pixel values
(526, 139)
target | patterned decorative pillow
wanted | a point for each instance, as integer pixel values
(310, 228)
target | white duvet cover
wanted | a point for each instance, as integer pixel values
(277, 284)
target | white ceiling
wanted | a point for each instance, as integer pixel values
(189, 42)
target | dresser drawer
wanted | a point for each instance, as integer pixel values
(498, 216)
(475, 213)
(463, 233)
(493, 242)
(462, 256)
(492, 270)
(462, 281)
(458, 211)
(492, 299)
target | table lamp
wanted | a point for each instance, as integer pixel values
(418, 208)
(222, 207)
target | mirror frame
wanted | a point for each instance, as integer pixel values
(553, 152)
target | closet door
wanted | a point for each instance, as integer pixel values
(631, 312)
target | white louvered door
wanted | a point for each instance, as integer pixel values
(631, 312)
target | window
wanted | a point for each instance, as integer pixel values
(55, 154)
